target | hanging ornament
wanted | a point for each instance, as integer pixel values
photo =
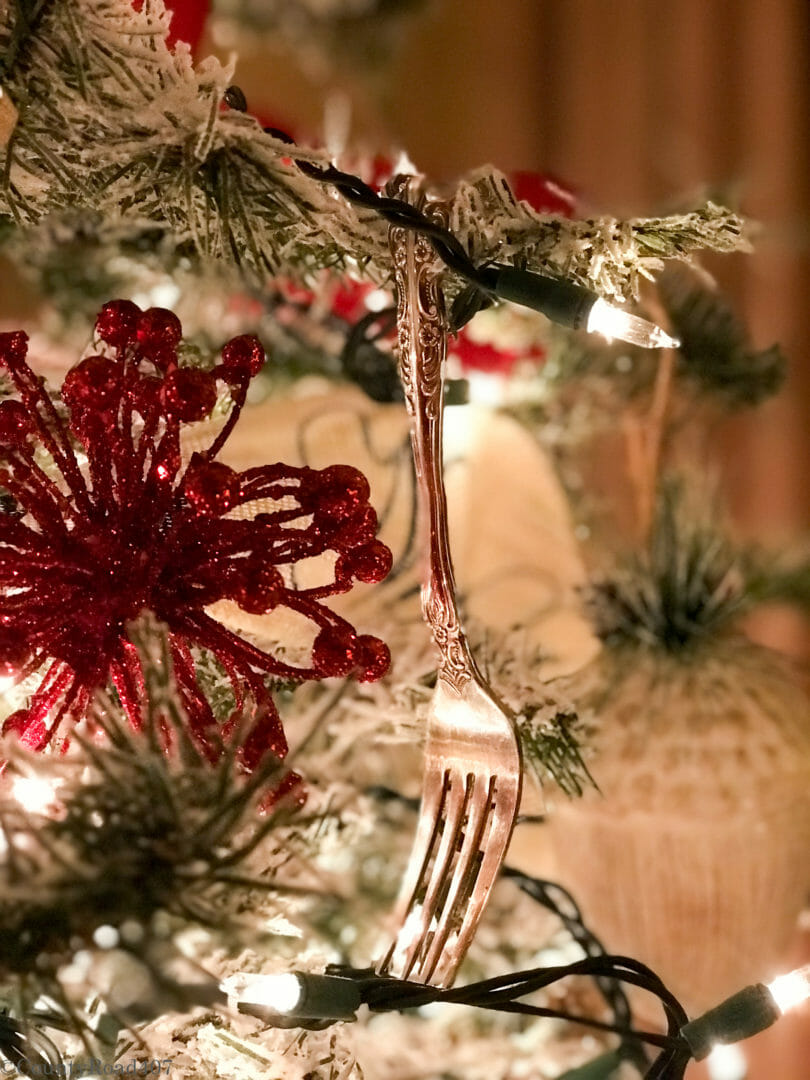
(188, 22)
(700, 830)
(106, 522)
(490, 357)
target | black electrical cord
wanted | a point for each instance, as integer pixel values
(27, 1048)
(559, 901)
(555, 898)
(561, 301)
(502, 994)
(374, 370)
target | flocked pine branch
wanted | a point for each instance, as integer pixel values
(686, 585)
(121, 141)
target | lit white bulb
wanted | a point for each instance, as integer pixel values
(613, 322)
(484, 388)
(791, 989)
(36, 794)
(280, 993)
(727, 1063)
(162, 294)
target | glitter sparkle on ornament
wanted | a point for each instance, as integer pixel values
(106, 522)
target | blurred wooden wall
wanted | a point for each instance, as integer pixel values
(640, 105)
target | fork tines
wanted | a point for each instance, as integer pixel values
(454, 863)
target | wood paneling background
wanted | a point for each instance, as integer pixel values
(640, 105)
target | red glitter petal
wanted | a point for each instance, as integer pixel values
(128, 531)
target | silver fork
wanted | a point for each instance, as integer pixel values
(472, 771)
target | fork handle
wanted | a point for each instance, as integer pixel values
(422, 340)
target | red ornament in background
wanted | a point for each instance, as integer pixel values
(188, 18)
(489, 358)
(544, 193)
(87, 547)
(188, 22)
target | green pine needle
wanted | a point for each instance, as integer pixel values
(141, 831)
(715, 353)
(686, 585)
(552, 749)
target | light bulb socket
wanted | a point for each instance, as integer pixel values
(562, 302)
(324, 1000)
(744, 1014)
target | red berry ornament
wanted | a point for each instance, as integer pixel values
(15, 423)
(374, 658)
(210, 486)
(159, 333)
(127, 529)
(261, 588)
(333, 653)
(94, 384)
(370, 563)
(545, 194)
(243, 355)
(189, 394)
(117, 322)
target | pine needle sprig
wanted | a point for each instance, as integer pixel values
(552, 746)
(144, 825)
(715, 353)
(686, 585)
(782, 578)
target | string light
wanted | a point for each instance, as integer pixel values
(747, 1012)
(279, 993)
(727, 1063)
(613, 322)
(792, 989)
(294, 999)
(36, 794)
(573, 305)
(301, 999)
(562, 301)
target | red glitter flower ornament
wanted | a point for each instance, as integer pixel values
(107, 522)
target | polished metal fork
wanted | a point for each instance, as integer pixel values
(472, 771)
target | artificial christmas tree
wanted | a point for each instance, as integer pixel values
(167, 599)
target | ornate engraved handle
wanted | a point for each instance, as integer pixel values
(422, 338)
